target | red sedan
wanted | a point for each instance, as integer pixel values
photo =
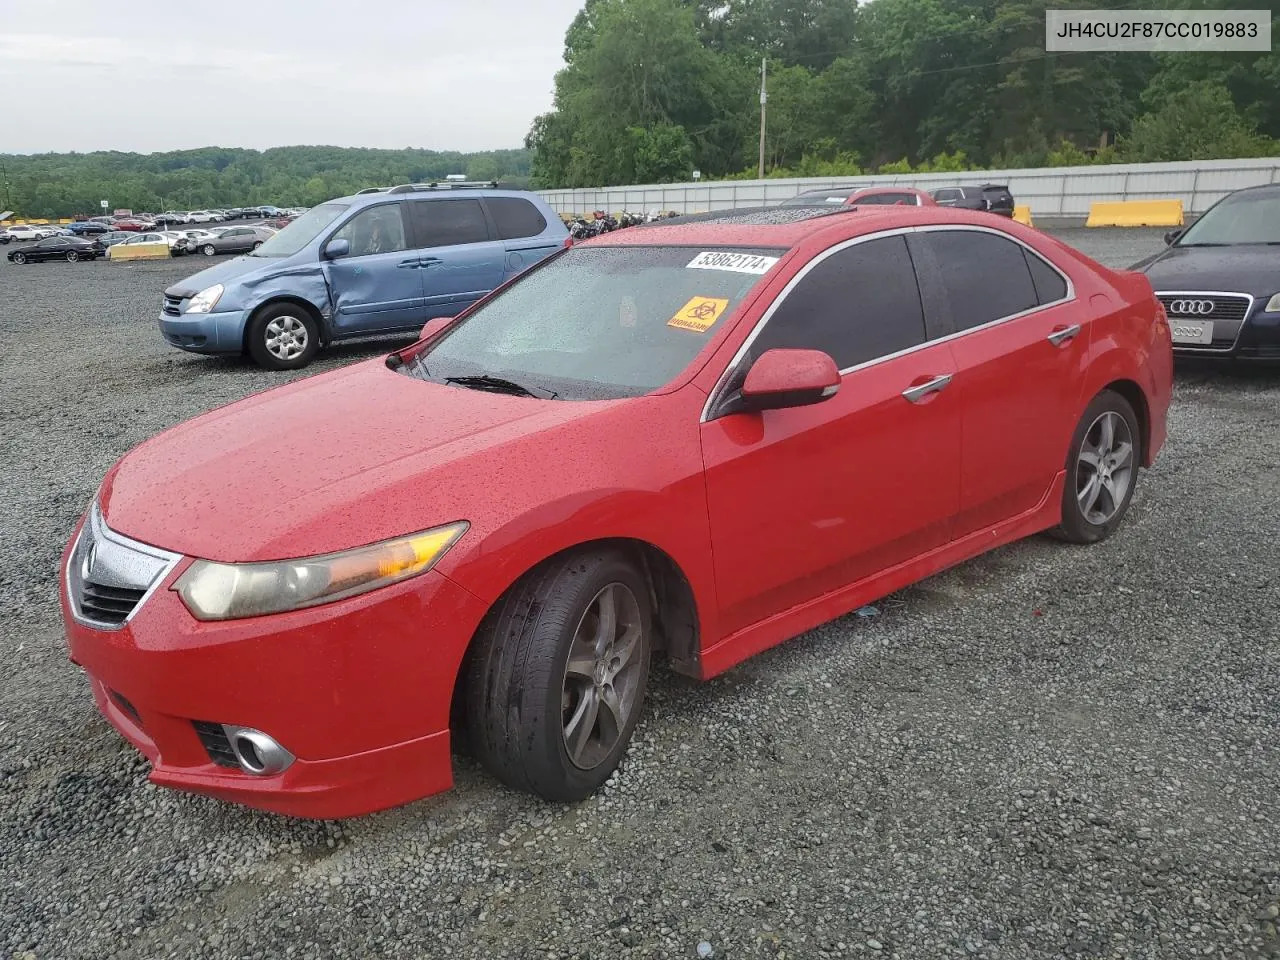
(693, 440)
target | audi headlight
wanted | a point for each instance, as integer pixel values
(206, 299)
(229, 591)
(1273, 305)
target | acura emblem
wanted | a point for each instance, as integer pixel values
(1191, 308)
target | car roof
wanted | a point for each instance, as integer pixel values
(444, 190)
(771, 227)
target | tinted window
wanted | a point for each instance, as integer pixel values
(515, 218)
(1050, 287)
(946, 194)
(601, 322)
(374, 230)
(442, 223)
(985, 276)
(858, 304)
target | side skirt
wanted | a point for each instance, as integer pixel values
(758, 637)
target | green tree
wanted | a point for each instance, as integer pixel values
(1200, 122)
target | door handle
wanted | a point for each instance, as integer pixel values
(428, 261)
(1065, 335)
(920, 391)
(408, 264)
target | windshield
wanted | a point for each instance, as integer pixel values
(600, 323)
(301, 232)
(1246, 217)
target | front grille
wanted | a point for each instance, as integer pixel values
(1227, 311)
(173, 306)
(1229, 307)
(215, 742)
(108, 604)
(109, 575)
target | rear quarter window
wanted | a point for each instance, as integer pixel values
(515, 218)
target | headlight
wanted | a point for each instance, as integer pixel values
(1273, 305)
(206, 299)
(228, 591)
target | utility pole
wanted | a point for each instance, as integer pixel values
(764, 98)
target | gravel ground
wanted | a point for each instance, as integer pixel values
(1047, 752)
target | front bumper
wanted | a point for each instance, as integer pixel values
(205, 332)
(358, 691)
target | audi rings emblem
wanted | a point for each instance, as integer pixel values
(1191, 308)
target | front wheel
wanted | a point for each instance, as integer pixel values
(19, 258)
(558, 674)
(208, 250)
(1102, 470)
(72, 256)
(283, 337)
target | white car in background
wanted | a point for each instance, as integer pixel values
(205, 216)
(25, 232)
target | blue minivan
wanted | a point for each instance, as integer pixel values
(382, 261)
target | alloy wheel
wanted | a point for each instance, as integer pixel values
(286, 337)
(72, 256)
(1104, 468)
(603, 676)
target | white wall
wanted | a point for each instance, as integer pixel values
(1050, 191)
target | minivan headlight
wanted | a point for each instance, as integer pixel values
(206, 299)
(1273, 305)
(229, 591)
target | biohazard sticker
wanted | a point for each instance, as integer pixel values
(734, 262)
(699, 314)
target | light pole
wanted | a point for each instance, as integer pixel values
(764, 98)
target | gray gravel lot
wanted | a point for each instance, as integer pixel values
(1047, 752)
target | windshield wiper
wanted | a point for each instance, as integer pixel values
(501, 385)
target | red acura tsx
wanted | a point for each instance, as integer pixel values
(694, 440)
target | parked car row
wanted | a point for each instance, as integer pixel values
(990, 197)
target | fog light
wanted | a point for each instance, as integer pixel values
(257, 753)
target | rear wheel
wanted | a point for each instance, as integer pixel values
(283, 337)
(1102, 470)
(208, 251)
(557, 678)
(257, 244)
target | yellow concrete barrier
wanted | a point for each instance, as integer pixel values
(1022, 213)
(138, 251)
(1135, 213)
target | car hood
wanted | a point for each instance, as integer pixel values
(330, 462)
(227, 270)
(1253, 269)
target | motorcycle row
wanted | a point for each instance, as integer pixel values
(580, 228)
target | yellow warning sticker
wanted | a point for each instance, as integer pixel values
(699, 314)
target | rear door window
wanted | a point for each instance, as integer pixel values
(515, 219)
(446, 223)
(984, 276)
(859, 304)
(1050, 287)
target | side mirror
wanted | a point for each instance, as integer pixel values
(1171, 236)
(789, 378)
(434, 326)
(337, 247)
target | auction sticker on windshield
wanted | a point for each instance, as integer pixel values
(736, 262)
(699, 314)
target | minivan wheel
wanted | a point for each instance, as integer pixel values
(208, 251)
(557, 676)
(1102, 470)
(283, 337)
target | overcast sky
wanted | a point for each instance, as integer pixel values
(150, 75)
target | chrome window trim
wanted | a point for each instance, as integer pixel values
(1250, 300)
(100, 530)
(714, 396)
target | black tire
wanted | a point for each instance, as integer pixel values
(208, 250)
(19, 258)
(516, 685)
(1076, 526)
(257, 244)
(260, 326)
(72, 256)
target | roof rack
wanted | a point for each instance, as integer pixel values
(445, 185)
(372, 190)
